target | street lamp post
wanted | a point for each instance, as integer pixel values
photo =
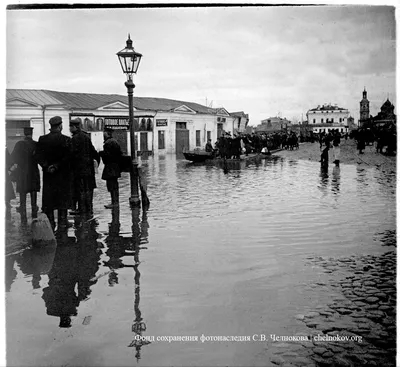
(130, 60)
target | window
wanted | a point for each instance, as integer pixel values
(180, 125)
(143, 124)
(314, 121)
(322, 120)
(87, 124)
(161, 139)
(149, 125)
(198, 143)
(99, 124)
(208, 135)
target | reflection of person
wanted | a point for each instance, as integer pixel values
(111, 156)
(27, 172)
(336, 147)
(325, 155)
(88, 256)
(53, 152)
(116, 248)
(336, 179)
(83, 154)
(60, 296)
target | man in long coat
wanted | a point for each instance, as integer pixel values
(111, 156)
(27, 172)
(53, 153)
(83, 155)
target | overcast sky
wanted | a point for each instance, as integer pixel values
(264, 61)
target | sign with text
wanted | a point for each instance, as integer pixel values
(117, 123)
(161, 122)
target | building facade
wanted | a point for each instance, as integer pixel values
(386, 117)
(273, 124)
(328, 117)
(161, 125)
(241, 121)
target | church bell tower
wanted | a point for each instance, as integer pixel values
(364, 109)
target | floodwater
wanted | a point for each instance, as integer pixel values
(216, 254)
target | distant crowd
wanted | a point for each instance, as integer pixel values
(231, 147)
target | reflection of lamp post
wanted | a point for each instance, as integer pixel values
(130, 60)
(139, 232)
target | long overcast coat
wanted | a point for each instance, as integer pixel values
(55, 149)
(83, 154)
(28, 176)
(111, 156)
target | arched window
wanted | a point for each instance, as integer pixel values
(99, 124)
(149, 125)
(88, 124)
(143, 124)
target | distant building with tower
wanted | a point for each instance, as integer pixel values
(364, 109)
(385, 117)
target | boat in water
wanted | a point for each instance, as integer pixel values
(198, 155)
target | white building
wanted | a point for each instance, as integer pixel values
(272, 124)
(328, 117)
(161, 125)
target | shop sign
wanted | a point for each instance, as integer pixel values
(161, 122)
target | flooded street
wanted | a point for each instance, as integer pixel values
(234, 253)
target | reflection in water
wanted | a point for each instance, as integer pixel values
(336, 180)
(202, 207)
(60, 297)
(88, 258)
(36, 262)
(361, 177)
(119, 248)
(324, 176)
(75, 263)
(139, 236)
(10, 272)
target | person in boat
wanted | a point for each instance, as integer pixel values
(209, 148)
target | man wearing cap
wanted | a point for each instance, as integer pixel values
(83, 155)
(53, 153)
(27, 172)
(111, 156)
